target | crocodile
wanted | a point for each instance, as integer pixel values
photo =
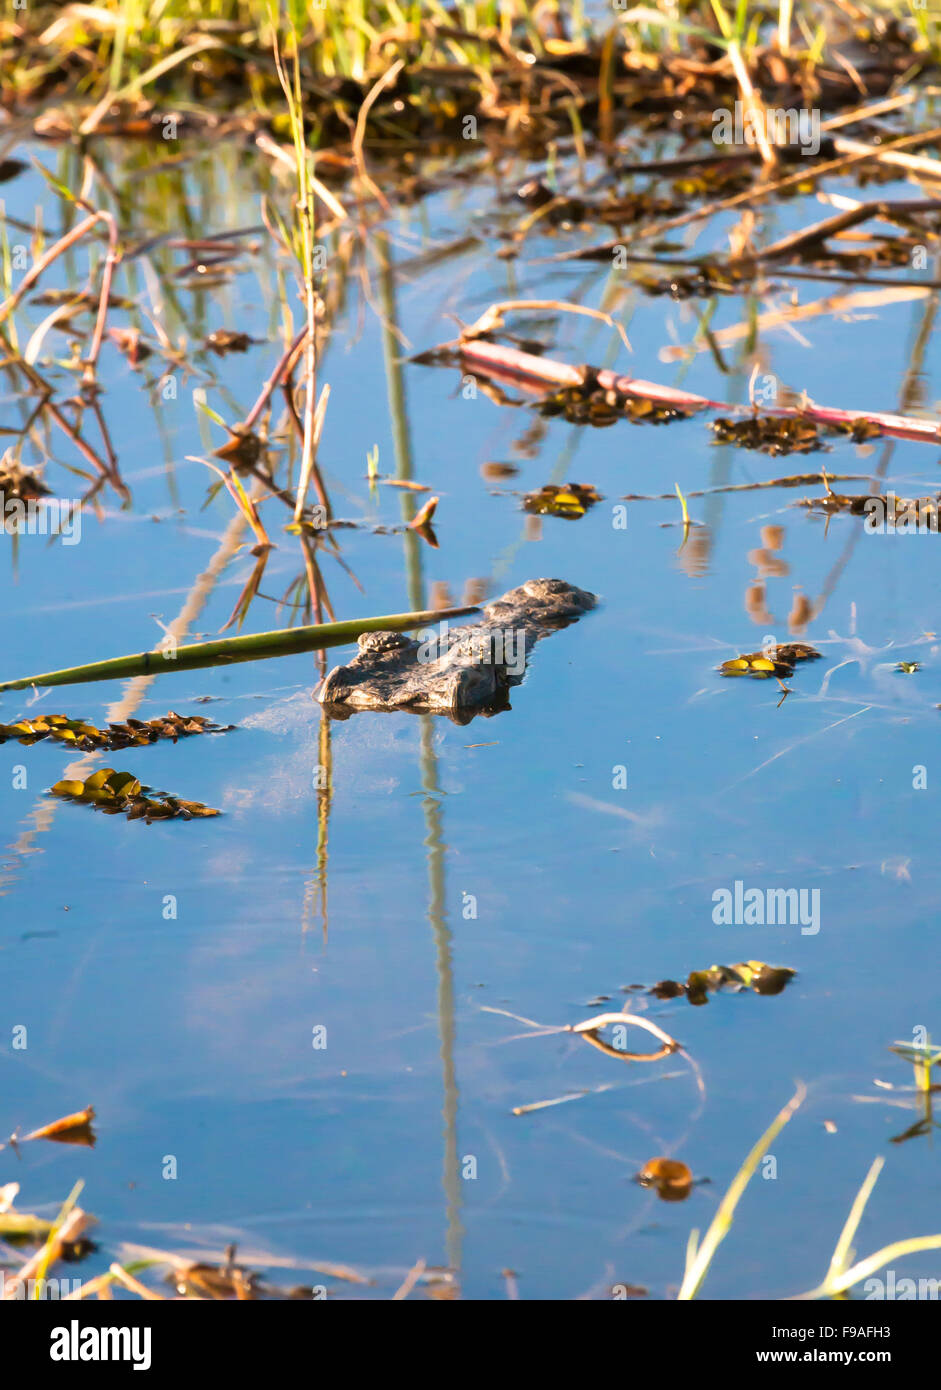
(462, 671)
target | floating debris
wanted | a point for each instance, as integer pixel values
(671, 1178)
(884, 508)
(768, 434)
(707, 281)
(130, 342)
(225, 340)
(135, 733)
(71, 1129)
(570, 500)
(794, 434)
(243, 448)
(753, 974)
(80, 300)
(120, 793)
(18, 482)
(591, 404)
(777, 661)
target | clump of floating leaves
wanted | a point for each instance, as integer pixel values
(777, 661)
(120, 793)
(88, 739)
(755, 975)
(591, 404)
(570, 500)
(787, 434)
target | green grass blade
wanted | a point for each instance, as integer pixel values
(226, 651)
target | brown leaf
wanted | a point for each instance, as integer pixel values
(71, 1129)
(672, 1179)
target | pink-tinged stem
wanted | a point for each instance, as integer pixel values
(284, 367)
(31, 276)
(525, 367)
(110, 262)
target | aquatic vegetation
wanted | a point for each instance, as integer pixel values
(121, 793)
(752, 975)
(588, 405)
(786, 429)
(226, 650)
(777, 660)
(774, 435)
(135, 733)
(884, 509)
(568, 500)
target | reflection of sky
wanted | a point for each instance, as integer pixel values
(193, 1036)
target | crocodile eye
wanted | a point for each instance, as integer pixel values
(383, 641)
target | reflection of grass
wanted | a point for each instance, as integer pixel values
(841, 1275)
(699, 1256)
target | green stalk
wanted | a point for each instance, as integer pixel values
(225, 651)
(699, 1257)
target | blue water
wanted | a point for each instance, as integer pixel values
(509, 876)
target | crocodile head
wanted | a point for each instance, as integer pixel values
(461, 671)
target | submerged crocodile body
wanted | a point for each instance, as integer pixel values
(461, 671)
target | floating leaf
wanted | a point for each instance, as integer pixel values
(423, 517)
(672, 1179)
(71, 1129)
(69, 788)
